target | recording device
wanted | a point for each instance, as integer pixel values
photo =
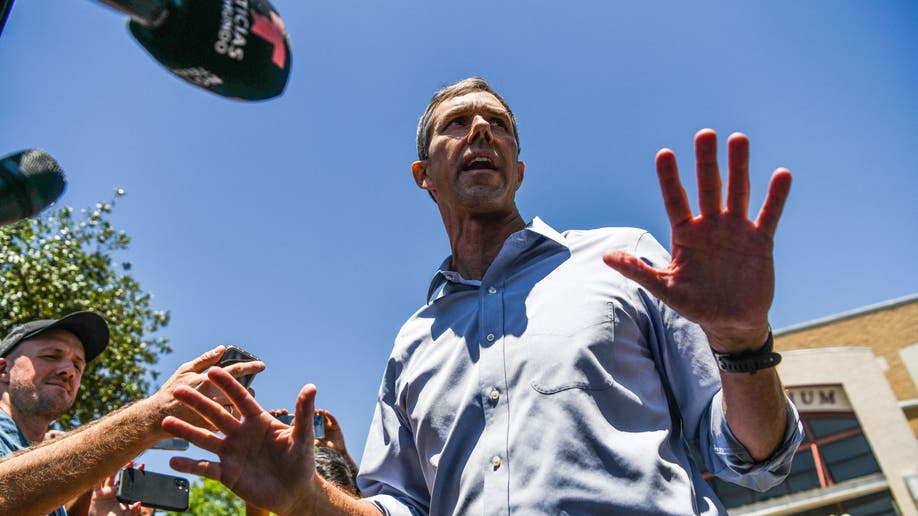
(234, 48)
(318, 423)
(30, 180)
(5, 6)
(171, 443)
(153, 490)
(234, 355)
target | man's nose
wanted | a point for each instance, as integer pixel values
(67, 370)
(481, 128)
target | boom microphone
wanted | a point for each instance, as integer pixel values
(234, 48)
(30, 180)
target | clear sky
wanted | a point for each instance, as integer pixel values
(293, 227)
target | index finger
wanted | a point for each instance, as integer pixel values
(235, 392)
(674, 197)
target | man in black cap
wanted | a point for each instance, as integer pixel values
(41, 364)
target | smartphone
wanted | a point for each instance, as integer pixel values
(318, 423)
(153, 490)
(234, 355)
(171, 443)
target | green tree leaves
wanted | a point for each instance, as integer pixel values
(63, 262)
(210, 498)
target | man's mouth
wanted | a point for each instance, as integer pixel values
(62, 385)
(479, 163)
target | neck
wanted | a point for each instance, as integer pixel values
(33, 428)
(475, 241)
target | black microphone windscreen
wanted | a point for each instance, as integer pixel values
(234, 48)
(30, 181)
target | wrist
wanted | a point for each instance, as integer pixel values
(738, 340)
(151, 414)
(749, 361)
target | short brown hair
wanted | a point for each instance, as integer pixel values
(451, 91)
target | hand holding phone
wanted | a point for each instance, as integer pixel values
(318, 423)
(153, 489)
(234, 355)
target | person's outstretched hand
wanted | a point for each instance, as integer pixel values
(722, 271)
(265, 462)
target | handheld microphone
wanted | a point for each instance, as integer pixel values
(234, 48)
(5, 6)
(30, 180)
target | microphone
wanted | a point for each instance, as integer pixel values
(30, 180)
(5, 6)
(234, 48)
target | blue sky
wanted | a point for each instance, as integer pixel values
(293, 227)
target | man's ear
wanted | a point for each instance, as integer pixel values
(520, 172)
(419, 171)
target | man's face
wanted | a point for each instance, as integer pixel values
(43, 373)
(473, 156)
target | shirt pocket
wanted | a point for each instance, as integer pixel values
(581, 358)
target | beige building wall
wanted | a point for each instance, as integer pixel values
(860, 372)
(888, 329)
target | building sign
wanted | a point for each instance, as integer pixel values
(819, 398)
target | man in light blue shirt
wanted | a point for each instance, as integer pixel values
(538, 380)
(551, 373)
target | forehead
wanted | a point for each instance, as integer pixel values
(470, 102)
(53, 339)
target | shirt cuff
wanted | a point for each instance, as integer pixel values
(392, 506)
(732, 462)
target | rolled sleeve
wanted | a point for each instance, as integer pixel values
(727, 458)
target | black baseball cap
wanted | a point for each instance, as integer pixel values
(89, 327)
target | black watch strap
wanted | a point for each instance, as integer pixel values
(749, 361)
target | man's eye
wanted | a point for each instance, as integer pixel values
(457, 122)
(499, 122)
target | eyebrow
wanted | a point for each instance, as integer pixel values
(467, 108)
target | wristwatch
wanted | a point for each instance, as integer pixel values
(749, 361)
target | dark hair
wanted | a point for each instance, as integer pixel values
(456, 90)
(334, 467)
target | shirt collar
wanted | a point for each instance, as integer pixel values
(533, 232)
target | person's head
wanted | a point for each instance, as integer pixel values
(468, 148)
(42, 363)
(470, 85)
(334, 467)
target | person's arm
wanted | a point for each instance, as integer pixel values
(265, 462)
(722, 277)
(39, 479)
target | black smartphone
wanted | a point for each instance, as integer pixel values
(318, 423)
(153, 490)
(234, 355)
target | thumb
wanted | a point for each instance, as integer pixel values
(636, 270)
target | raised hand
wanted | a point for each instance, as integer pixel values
(334, 437)
(722, 271)
(267, 463)
(191, 374)
(105, 503)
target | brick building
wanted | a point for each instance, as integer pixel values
(854, 378)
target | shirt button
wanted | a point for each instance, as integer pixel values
(495, 461)
(490, 337)
(495, 395)
(492, 290)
